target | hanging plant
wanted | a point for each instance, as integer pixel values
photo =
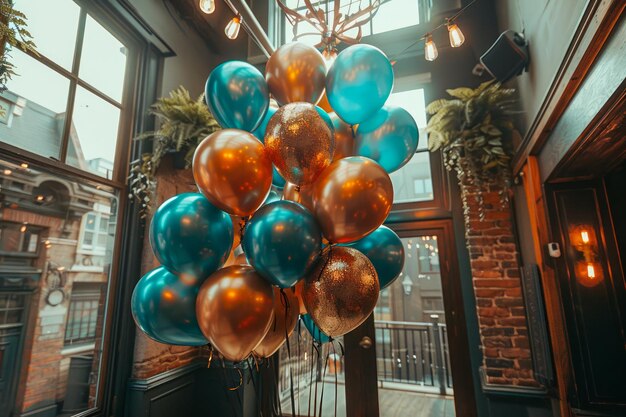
(13, 32)
(473, 132)
(183, 123)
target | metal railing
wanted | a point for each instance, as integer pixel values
(413, 353)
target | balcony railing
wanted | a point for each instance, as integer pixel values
(409, 355)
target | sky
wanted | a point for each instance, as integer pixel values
(54, 26)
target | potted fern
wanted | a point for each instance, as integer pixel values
(13, 32)
(473, 131)
(183, 123)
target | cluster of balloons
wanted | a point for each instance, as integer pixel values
(308, 187)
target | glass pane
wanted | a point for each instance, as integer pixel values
(93, 139)
(396, 14)
(411, 337)
(54, 25)
(413, 101)
(310, 373)
(103, 60)
(66, 387)
(32, 110)
(413, 182)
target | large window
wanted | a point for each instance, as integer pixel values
(67, 100)
(391, 15)
(70, 113)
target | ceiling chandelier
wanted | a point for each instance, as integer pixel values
(333, 26)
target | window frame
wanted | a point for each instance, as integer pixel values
(144, 65)
(82, 295)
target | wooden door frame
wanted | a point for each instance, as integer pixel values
(364, 397)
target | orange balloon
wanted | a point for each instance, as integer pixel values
(303, 196)
(296, 72)
(299, 143)
(235, 310)
(351, 198)
(231, 169)
(298, 288)
(344, 138)
(286, 312)
(324, 104)
(341, 291)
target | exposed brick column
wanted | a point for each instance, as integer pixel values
(497, 287)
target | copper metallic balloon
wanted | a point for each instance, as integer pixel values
(235, 309)
(286, 312)
(231, 169)
(303, 196)
(298, 288)
(351, 198)
(324, 104)
(299, 143)
(341, 291)
(344, 138)
(296, 72)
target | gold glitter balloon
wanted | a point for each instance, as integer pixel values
(299, 143)
(286, 312)
(235, 310)
(341, 291)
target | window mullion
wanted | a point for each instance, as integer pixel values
(69, 110)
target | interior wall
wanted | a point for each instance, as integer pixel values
(193, 61)
(549, 26)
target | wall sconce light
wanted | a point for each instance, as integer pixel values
(407, 284)
(588, 267)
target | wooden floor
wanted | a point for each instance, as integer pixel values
(393, 403)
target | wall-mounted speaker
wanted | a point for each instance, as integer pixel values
(507, 57)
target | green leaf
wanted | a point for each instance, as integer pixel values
(490, 130)
(462, 93)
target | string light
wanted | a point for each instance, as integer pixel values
(430, 49)
(456, 36)
(207, 6)
(232, 28)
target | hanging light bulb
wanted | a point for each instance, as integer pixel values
(456, 36)
(430, 49)
(232, 28)
(207, 6)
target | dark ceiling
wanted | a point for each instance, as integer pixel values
(211, 27)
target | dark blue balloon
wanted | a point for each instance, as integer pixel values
(318, 335)
(237, 95)
(389, 138)
(259, 132)
(384, 249)
(189, 235)
(359, 83)
(164, 308)
(282, 241)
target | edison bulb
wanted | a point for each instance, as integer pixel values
(232, 28)
(207, 6)
(430, 49)
(456, 36)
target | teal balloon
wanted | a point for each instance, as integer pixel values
(259, 132)
(359, 83)
(271, 197)
(326, 118)
(164, 308)
(282, 241)
(189, 235)
(237, 95)
(277, 180)
(318, 335)
(390, 138)
(385, 250)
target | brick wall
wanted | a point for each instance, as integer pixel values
(496, 278)
(150, 357)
